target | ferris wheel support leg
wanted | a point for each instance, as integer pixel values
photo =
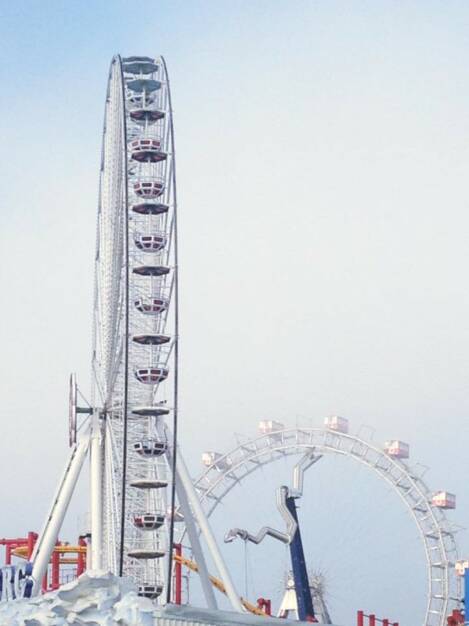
(46, 542)
(96, 480)
(209, 537)
(193, 535)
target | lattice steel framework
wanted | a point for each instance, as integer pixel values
(437, 533)
(135, 316)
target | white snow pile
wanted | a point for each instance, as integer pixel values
(97, 598)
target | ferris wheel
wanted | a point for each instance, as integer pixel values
(129, 434)
(226, 471)
(135, 324)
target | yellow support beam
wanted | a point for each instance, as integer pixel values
(217, 583)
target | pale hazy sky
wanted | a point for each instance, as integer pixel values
(323, 161)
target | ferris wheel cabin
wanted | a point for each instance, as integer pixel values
(150, 411)
(397, 449)
(150, 243)
(151, 270)
(151, 340)
(150, 591)
(270, 427)
(149, 188)
(139, 65)
(146, 115)
(444, 500)
(150, 447)
(143, 85)
(151, 375)
(147, 150)
(149, 483)
(145, 553)
(339, 424)
(150, 208)
(152, 306)
(217, 460)
(149, 521)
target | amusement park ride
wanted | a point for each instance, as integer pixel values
(143, 502)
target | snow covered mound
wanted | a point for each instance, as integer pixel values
(97, 598)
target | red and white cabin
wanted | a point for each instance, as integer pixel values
(147, 150)
(397, 449)
(151, 375)
(149, 188)
(267, 427)
(216, 459)
(149, 521)
(339, 424)
(444, 500)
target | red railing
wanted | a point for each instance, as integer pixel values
(372, 619)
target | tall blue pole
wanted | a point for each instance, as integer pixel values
(300, 573)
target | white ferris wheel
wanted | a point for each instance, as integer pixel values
(135, 320)
(227, 472)
(136, 470)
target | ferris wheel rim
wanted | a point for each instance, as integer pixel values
(247, 455)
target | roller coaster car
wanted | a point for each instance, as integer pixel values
(150, 447)
(151, 375)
